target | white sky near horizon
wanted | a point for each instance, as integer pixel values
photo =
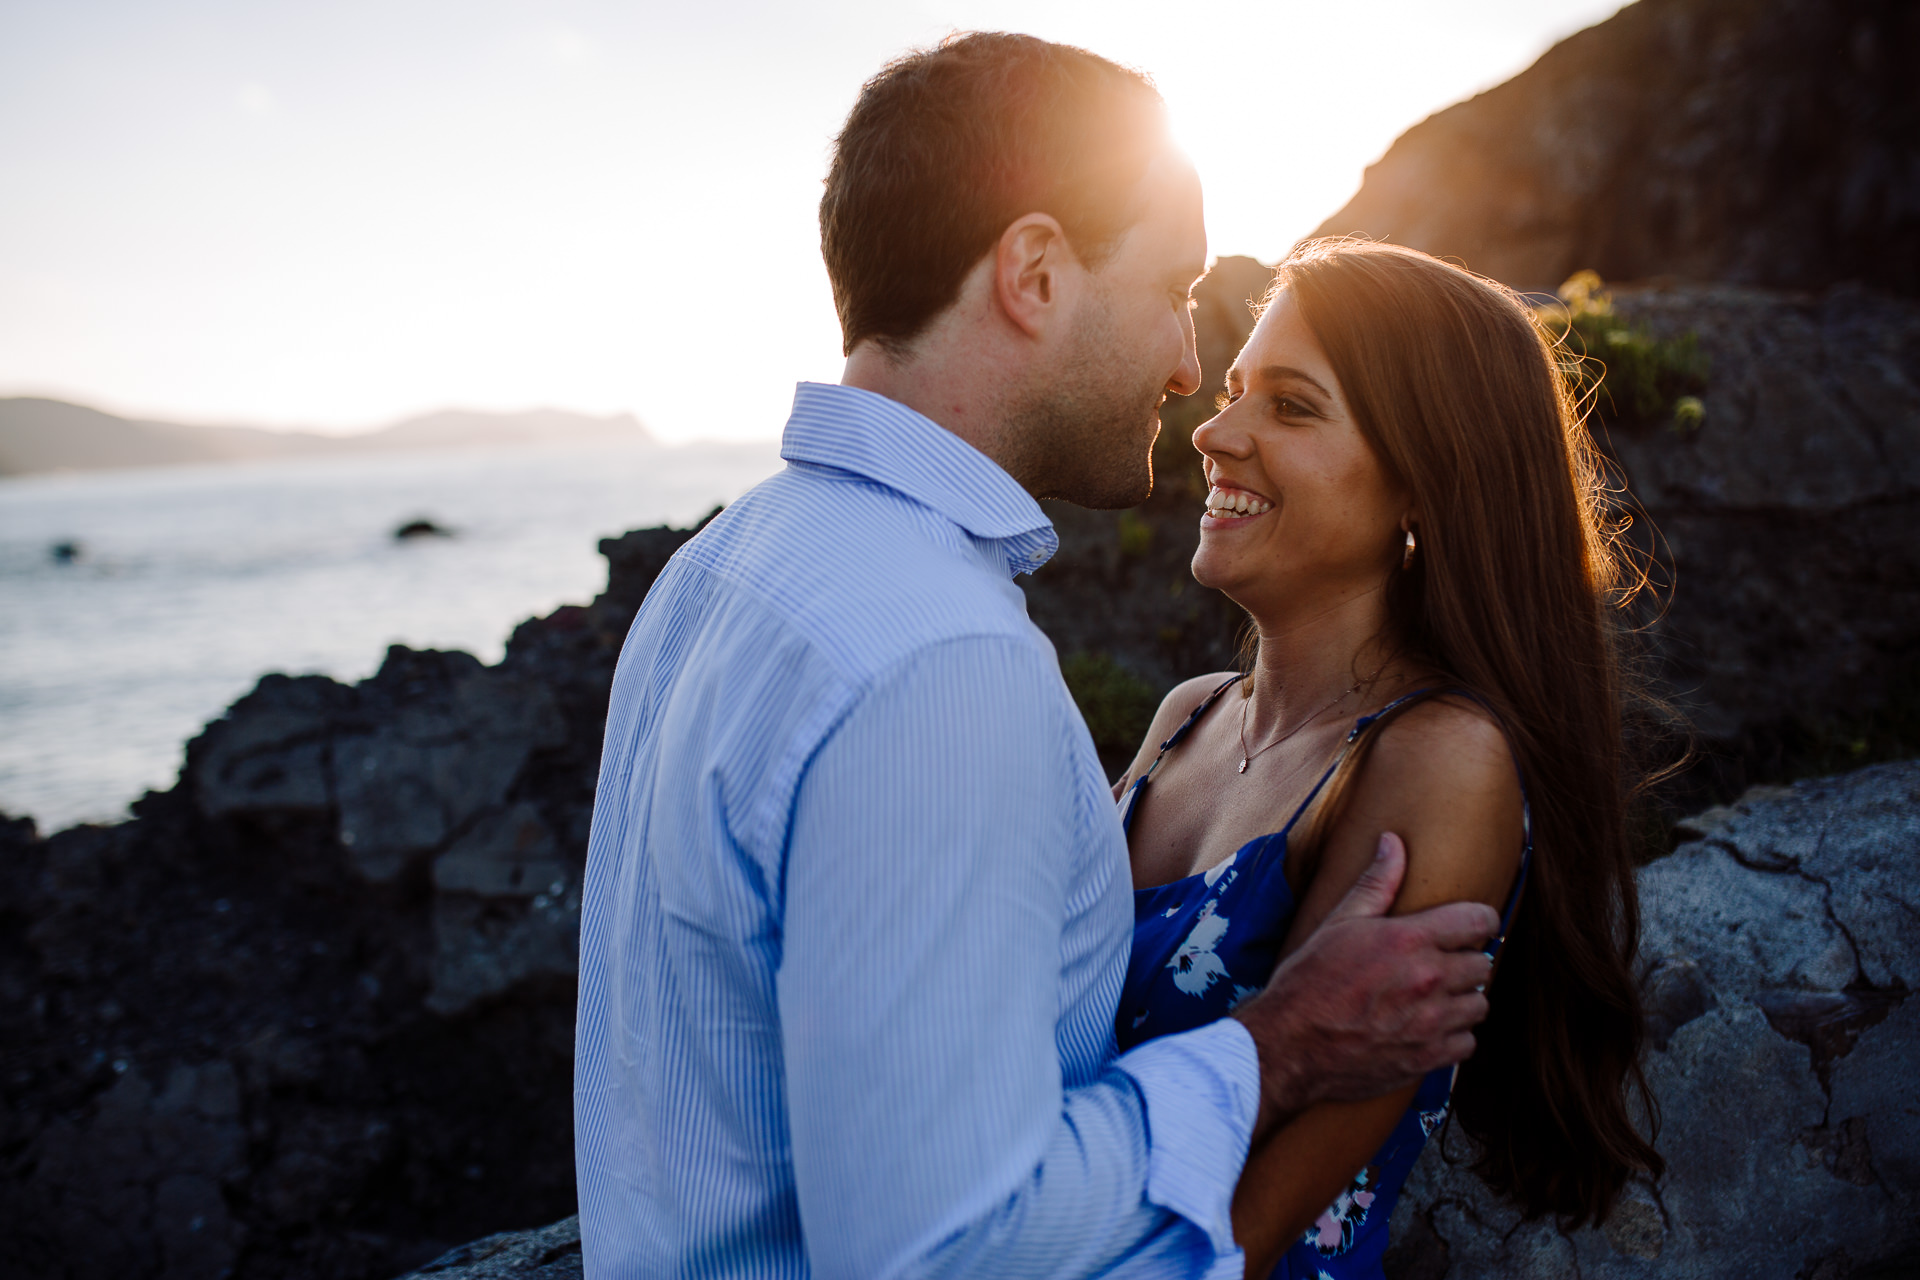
(335, 215)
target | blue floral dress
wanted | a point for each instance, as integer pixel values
(1203, 944)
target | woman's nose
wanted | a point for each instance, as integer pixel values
(1218, 436)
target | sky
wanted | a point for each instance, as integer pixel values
(334, 215)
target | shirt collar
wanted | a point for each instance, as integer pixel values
(886, 442)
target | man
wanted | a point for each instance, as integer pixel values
(857, 906)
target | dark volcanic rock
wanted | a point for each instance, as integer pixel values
(1766, 142)
(1792, 633)
(546, 1253)
(310, 1013)
(1780, 950)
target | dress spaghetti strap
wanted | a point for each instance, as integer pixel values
(1128, 801)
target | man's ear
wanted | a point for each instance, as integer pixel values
(1032, 265)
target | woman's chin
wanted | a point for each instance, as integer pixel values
(1212, 571)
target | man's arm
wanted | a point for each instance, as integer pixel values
(929, 876)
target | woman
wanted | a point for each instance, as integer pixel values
(1403, 499)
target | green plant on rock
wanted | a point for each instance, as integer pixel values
(1117, 705)
(1621, 369)
(1688, 414)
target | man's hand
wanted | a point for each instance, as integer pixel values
(1369, 1004)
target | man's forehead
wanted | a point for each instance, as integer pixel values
(1173, 184)
(1172, 216)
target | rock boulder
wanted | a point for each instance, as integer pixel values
(1780, 947)
(1791, 626)
(1760, 142)
(546, 1253)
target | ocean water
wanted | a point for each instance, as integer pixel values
(192, 582)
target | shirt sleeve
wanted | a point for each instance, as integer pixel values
(920, 988)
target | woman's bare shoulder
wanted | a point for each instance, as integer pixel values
(1442, 777)
(1448, 740)
(1174, 708)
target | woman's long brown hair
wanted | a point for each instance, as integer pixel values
(1516, 592)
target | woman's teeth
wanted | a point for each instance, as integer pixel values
(1232, 504)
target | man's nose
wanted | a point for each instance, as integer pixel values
(1186, 379)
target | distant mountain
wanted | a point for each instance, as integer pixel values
(51, 435)
(460, 428)
(1758, 142)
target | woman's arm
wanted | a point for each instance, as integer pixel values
(1440, 776)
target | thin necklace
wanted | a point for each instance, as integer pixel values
(1248, 757)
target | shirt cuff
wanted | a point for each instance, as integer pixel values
(1201, 1095)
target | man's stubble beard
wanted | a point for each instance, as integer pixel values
(1087, 433)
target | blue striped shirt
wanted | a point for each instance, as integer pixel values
(858, 909)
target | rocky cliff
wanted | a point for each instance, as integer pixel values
(1761, 142)
(1791, 632)
(310, 1013)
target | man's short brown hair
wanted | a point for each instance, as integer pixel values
(949, 145)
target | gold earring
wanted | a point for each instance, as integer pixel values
(1406, 560)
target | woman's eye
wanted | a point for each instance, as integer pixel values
(1288, 407)
(1225, 398)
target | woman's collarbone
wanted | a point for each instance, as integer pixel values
(1211, 813)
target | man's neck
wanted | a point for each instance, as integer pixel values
(958, 390)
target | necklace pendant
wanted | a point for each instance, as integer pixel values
(1244, 762)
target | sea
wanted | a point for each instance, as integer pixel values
(136, 605)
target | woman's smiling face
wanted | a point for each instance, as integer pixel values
(1300, 511)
